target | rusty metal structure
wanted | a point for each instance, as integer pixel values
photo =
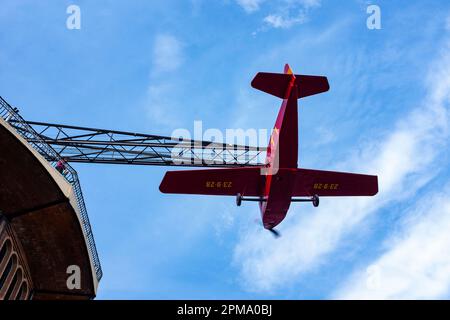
(44, 224)
(104, 146)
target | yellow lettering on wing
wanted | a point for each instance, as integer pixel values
(218, 184)
(326, 186)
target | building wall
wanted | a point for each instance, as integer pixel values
(43, 224)
(15, 281)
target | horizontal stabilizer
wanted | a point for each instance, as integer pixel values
(272, 83)
(276, 84)
(330, 183)
(246, 181)
(311, 85)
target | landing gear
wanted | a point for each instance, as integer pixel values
(238, 199)
(315, 200)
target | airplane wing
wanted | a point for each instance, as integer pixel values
(333, 184)
(226, 182)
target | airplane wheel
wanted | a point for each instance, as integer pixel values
(238, 199)
(315, 200)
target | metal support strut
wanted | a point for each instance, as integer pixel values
(314, 199)
(240, 198)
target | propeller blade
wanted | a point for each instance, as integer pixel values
(275, 233)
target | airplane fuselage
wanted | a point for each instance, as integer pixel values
(282, 154)
(277, 197)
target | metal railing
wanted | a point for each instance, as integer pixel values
(11, 115)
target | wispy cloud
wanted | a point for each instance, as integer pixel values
(167, 53)
(282, 14)
(324, 135)
(416, 264)
(250, 5)
(291, 13)
(161, 104)
(161, 100)
(282, 21)
(405, 160)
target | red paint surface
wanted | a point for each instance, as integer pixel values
(280, 180)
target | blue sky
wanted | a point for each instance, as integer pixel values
(155, 66)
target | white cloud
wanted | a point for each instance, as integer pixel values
(283, 14)
(416, 264)
(167, 53)
(162, 100)
(290, 13)
(250, 5)
(404, 160)
(281, 21)
(162, 105)
(324, 136)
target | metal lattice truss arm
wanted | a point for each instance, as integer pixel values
(90, 145)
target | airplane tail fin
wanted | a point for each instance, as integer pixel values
(277, 83)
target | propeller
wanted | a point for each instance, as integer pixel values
(275, 233)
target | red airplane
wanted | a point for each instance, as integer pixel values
(280, 181)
